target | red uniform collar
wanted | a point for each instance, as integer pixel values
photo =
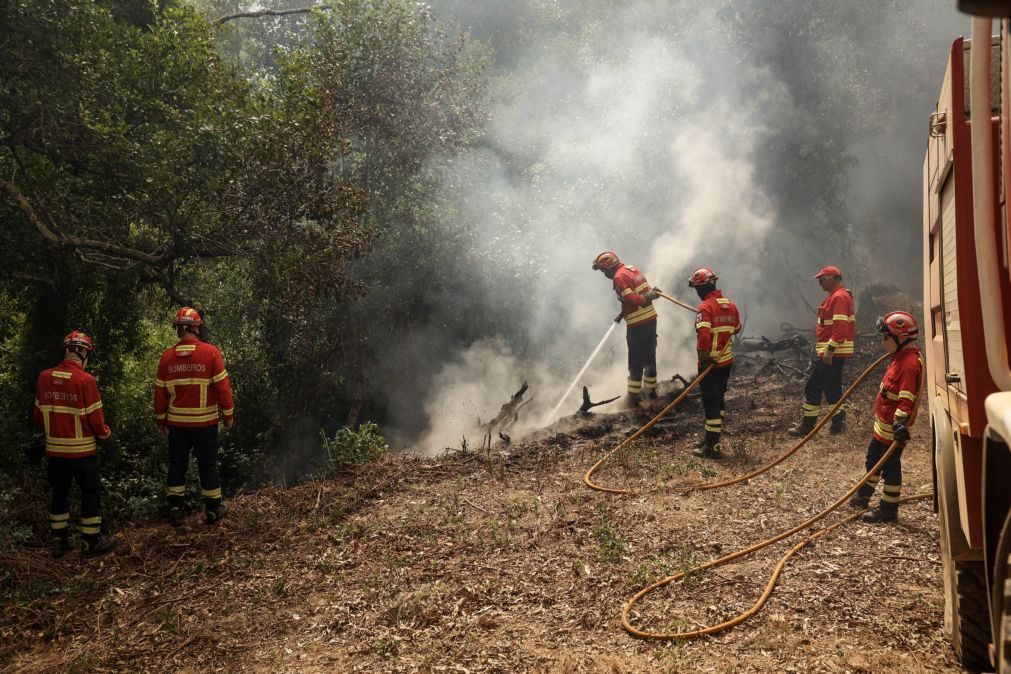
(913, 350)
(72, 364)
(713, 295)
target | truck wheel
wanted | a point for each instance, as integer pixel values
(1004, 646)
(970, 615)
(966, 602)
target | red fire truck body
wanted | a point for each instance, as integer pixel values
(967, 307)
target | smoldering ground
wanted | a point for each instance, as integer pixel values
(764, 139)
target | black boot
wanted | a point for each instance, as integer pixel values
(885, 512)
(59, 545)
(838, 424)
(214, 513)
(858, 502)
(710, 450)
(96, 545)
(802, 427)
(176, 511)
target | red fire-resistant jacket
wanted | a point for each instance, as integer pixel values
(68, 408)
(897, 392)
(836, 324)
(629, 284)
(716, 322)
(192, 388)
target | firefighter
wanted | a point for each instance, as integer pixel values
(834, 337)
(636, 299)
(716, 322)
(191, 395)
(68, 408)
(892, 414)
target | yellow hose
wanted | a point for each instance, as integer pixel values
(626, 622)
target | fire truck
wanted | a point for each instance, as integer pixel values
(967, 312)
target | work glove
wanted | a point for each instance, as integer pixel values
(900, 432)
(825, 357)
(617, 319)
(705, 360)
(651, 294)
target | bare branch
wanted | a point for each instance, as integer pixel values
(266, 12)
(65, 241)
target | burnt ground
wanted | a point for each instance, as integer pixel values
(505, 563)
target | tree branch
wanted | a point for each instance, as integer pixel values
(76, 242)
(266, 12)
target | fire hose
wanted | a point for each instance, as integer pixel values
(777, 571)
(626, 609)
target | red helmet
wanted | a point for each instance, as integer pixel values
(187, 316)
(701, 277)
(78, 338)
(829, 271)
(898, 324)
(606, 260)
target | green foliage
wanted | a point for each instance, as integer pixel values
(612, 546)
(348, 447)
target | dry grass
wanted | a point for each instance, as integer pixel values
(463, 564)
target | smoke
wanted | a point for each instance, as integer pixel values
(764, 139)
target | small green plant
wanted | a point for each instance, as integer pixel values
(348, 447)
(167, 619)
(612, 547)
(386, 648)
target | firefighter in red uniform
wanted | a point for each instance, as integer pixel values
(68, 408)
(716, 322)
(892, 412)
(834, 337)
(636, 299)
(191, 395)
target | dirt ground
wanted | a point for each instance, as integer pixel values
(508, 563)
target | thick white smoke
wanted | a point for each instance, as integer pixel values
(651, 139)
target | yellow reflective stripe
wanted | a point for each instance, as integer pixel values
(203, 397)
(218, 377)
(900, 415)
(834, 344)
(62, 375)
(723, 300)
(191, 380)
(62, 517)
(91, 520)
(69, 442)
(228, 412)
(56, 526)
(206, 417)
(192, 410)
(728, 328)
(160, 383)
(827, 322)
(642, 286)
(642, 312)
(91, 408)
(842, 317)
(90, 529)
(883, 429)
(703, 324)
(176, 490)
(728, 355)
(62, 409)
(70, 451)
(78, 431)
(626, 291)
(186, 348)
(211, 493)
(906, 395)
